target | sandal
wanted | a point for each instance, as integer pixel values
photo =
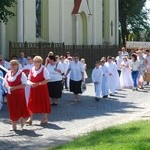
(44, 121)
(29, 121)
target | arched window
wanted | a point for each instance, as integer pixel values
(38, 18)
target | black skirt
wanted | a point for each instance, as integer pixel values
(55, 89)
(75, 86)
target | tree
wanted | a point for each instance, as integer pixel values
(5, 12)
(133, 17)
(147, 35)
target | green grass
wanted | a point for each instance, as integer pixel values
(132, 136)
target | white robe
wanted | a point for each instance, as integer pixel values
(68, 76)
(118, 86)
(112, 80)
(85, 74)
(125, 76)
(105, 81)
(119, 60)
(97, 75)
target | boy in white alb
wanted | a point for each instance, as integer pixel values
(97, 75)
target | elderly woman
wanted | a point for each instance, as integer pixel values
(15, 81)
(76, 76)
(39, 97)
(55, 83)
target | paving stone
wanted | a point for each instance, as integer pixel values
(69, 120)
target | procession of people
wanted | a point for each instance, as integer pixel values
(33, 88)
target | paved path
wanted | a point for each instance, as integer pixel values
(69, 120)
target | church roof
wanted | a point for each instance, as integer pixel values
(76, 6)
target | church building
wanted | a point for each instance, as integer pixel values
(70, 21)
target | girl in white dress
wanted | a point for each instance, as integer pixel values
(85, 67)
(125, 77)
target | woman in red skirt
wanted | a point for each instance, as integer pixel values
(39, 101)
(15, 81)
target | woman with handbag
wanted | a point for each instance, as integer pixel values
(76, 76)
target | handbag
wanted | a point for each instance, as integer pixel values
(83, 87)
(147, 76)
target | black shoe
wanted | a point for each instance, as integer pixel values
(54, 104)
(111, 94)
(105, 96)
(97, 99)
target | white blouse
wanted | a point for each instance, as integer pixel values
(36, 72)
(135, 65)
(11, 78)
(76, 70)
(54, 75)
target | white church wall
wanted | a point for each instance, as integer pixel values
(80, 30)
(112, 18)
(29, 21)
(11, 31)
(90, 24)
(96, 22)
(69, 22)
(61, 25)
(54, 21)
(99, 27)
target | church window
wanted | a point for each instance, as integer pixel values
(38, 18)
(111, 27)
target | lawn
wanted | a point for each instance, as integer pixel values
(132, 136)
